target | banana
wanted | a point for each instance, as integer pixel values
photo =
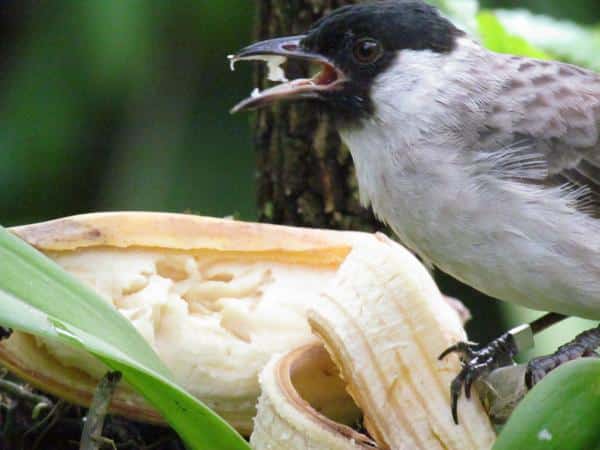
(304, 405)
(223, 301)
(215, 298)
(383, 321)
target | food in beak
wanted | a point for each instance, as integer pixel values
(326, 79)
(274, 62)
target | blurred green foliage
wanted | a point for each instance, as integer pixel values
(582, 11)
(494, 35)
(111, 104)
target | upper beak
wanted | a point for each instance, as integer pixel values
(275, 52)
(288, 46)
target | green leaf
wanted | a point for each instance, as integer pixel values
(38, 297)
(32, 277)
(562, 412)
(495, 37)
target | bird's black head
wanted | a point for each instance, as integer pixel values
(353, 44)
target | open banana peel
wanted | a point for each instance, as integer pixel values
(383, 322)
(222, 301)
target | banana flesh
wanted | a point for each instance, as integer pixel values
(214, 298)
(384, 322)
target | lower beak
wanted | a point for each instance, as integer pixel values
(275, 52)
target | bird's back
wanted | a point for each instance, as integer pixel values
(553, 109)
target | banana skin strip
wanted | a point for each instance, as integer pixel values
(383, 321)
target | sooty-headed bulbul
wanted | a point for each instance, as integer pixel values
(486, 165)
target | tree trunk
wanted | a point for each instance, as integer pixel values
(305, 174)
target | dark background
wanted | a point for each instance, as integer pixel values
(123, 104)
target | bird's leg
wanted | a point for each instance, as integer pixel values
(584, 344)
(479, 361)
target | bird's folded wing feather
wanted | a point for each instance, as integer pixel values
(552, 110)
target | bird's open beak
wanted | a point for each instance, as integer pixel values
(275, 52)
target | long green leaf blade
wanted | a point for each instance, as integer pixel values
(214, 434)
(29, 275)
(38, 297)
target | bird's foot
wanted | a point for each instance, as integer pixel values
(584, 345)
(5, 333)
(477, 362)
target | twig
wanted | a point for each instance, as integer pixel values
(91, 437)
(22, 392)
(46, 424)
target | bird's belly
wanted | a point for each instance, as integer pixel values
(508, 268)
(489, 232)
(503, 251)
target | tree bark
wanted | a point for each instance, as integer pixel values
(305, 174)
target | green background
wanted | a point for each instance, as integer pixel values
(123, 105)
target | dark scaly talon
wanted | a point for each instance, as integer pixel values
(477, 363)
(584, 345)
(455, 388)
(462, 348)
(469, 380)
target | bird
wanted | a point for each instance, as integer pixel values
(486, 165)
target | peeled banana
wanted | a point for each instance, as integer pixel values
(383, 321)
(215, 298)
(223, 301)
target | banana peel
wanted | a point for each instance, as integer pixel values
(383, 322)
(304, 405)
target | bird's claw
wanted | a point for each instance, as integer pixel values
(583, 346)
(477, 363)
(465, 350)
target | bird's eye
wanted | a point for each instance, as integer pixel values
(367, 51)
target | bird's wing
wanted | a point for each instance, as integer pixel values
(553, 110)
